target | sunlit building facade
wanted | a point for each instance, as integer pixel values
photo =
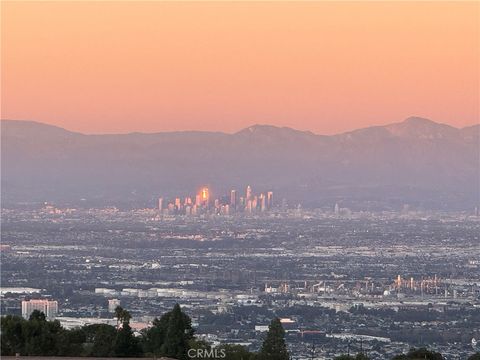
(48, 307)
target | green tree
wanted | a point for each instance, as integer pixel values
(37, 315)
(37, 336)
(155, 336)
(475, 356)
(41, 336)
(171, 335)
(420, 354)
(101, 339)
(122, 315)
(274, 347)
(126, 344)
(196, 344)
(237, 352)
(178, 334)
(12, 336)
(71, 342)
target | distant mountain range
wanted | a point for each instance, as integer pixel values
(418, 162)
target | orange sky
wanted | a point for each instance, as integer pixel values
(327, 67)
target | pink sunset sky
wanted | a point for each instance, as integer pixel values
(327, 67)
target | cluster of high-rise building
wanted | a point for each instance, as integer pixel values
(229, 204)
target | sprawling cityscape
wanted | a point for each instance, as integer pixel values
(240, 180)
(340, 281)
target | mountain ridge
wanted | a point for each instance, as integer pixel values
(416, 161)
(412, 120)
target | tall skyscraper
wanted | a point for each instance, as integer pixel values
(263, 202)
(48, 307)
(160, 204)
(248, 194)
(205, 196)
(336, 209)
(269, 200)
(233, 199)
(254, 203)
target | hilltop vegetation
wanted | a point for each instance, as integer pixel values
(171, 335)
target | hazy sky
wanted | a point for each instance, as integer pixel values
(327, 67)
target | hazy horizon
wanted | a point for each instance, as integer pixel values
(414, 161)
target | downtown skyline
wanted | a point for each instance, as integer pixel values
(204, 203)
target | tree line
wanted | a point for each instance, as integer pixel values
(171, 335)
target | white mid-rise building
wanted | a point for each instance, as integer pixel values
(48, 307)
(112, 305)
